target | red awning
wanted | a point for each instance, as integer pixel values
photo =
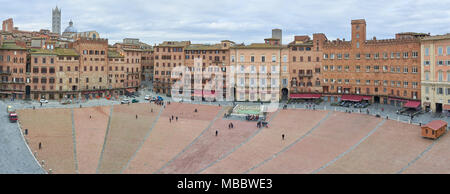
(367, 97)
(436, 124)
(305, 96)
(353, 98)
(446, 107)
(412, 104)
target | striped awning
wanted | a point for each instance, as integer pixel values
(412, 104)
(355, 98)
(305, 96)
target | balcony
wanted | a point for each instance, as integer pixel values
(10, 82)
(305, 75)
(5, 72)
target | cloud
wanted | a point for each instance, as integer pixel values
(238, 20)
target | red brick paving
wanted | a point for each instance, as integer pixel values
(333, 137)
(52, 127)
(209, 147)
(292, 123)
(125, 134)
(90, 134)
(168, 139)
(435, 161)
(387, 150)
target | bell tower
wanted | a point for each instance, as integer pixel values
(56, 20)
(358, 33)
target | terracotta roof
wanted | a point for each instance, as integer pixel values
(437, 37)
(436, 124)
(175, 43)
(10, 45)
(258, 46)
(132, 49)
(204, 47)
(114, 54)
(56, 51)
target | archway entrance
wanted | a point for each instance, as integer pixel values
(376, 99)
(27, 92)
(284, 93)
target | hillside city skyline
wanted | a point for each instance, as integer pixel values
(200, 26)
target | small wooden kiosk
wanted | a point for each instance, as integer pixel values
(434, 129)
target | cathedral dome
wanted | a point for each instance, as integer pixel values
(70, 28)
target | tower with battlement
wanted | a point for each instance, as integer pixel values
(56, 20)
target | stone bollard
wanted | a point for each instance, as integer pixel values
(50, 171)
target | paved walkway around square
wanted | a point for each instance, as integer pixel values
(15, 156)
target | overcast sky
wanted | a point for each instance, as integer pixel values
(209, 21)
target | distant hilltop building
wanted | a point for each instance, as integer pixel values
(56, 20)
(71, 33)
(70, 30)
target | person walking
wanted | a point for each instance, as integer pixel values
(217, 132)
(136, 116)
(40, 145)
(282, 136)
(176, 118)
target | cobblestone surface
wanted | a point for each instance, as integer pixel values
(15, 158)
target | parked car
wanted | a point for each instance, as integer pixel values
(43, 101)
(364, 105)
(342, 103)
(347, 104)
(125, 101)
(13, 117)
(147, 97)
(356, 105)
(134, 101)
